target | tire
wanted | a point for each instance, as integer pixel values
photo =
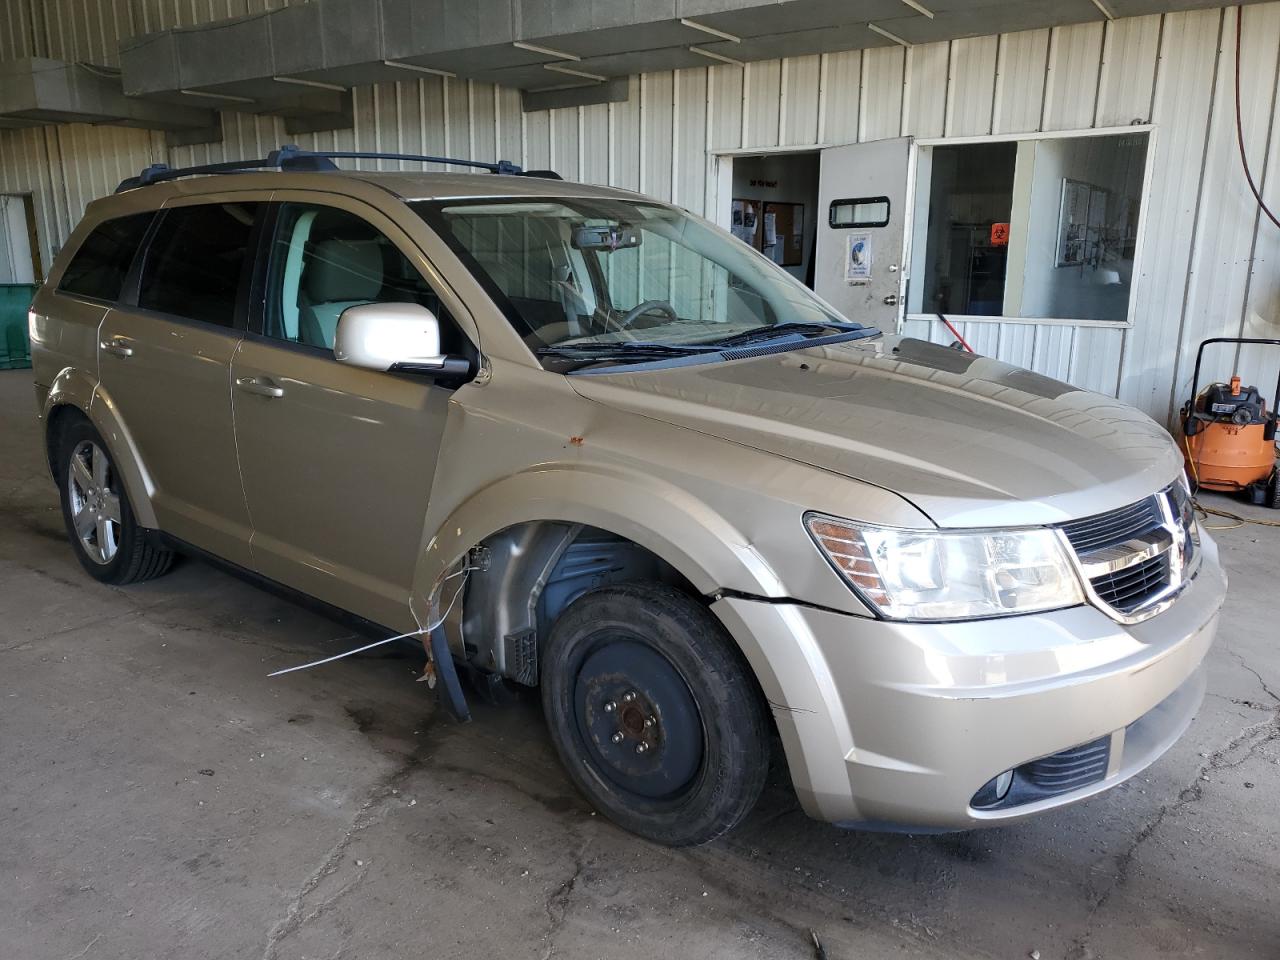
(655, 713)
(99, 518)
(1273, 490)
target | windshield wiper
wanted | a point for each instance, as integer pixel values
(630, 349)
(772, 331)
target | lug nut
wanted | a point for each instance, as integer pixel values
(650, 722)
(629, 696)
(610, 706)
(642, 747)
(617, 737)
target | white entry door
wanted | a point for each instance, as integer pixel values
(862, 205)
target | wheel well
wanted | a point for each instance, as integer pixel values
(526, 575)
(60, 418)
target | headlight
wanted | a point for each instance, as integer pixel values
(1185, 508)
(939, 575)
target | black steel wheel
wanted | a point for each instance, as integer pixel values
(655, 713)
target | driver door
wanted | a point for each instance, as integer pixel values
(337, 460)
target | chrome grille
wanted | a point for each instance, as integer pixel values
(1109, 529)
(1136, 559)
(1127, 589)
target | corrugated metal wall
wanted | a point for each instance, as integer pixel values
(1209, 265)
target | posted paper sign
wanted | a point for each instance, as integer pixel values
(857, 259)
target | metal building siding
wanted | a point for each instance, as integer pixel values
(1184, 82)
(1071, 81)
(724, 107)
(762, 103)
(840, 81)
(1128, 71)
(1208, 264)
(880, 109)
(1020, 72)
(16, 38)
(971, 84)
(689, 140)
(1227, 223)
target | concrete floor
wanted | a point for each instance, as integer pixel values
(162, 798)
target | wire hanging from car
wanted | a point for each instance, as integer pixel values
(464, 572)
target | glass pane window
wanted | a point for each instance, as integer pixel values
(864, 212)
(1043, 228)
(1085, 197)
(324, 260)
(196, 262)
(970, 188)
(99, 267)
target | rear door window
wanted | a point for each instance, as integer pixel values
(197, 262)
(99, 267)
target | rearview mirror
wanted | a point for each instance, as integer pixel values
(389, 336)
(608, 239)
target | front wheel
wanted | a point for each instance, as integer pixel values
(100, 523)
(655, 713)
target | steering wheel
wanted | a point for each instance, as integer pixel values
(648, 306)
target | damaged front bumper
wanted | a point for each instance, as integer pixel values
(912, 725)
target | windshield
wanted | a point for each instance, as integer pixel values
(598, 275)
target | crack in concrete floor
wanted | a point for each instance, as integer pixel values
(1255, 736)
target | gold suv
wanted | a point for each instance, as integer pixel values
(578, 439)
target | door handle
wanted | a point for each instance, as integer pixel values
(117, 346)
(891, 300)
(260, 387)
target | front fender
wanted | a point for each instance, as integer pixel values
(703, 545)
(77, 389)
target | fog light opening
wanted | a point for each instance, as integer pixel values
(993, 792)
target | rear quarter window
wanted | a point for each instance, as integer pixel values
(99, 267)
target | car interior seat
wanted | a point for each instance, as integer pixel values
(339, 274)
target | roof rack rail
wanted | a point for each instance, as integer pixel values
(291, 157)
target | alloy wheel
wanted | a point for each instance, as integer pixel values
(95, 506)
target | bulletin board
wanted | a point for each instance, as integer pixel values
(784, 225)
(746, 222)
(775, 229)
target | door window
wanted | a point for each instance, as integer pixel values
(325, 260)
(858, 212)
(196, 262)
(99, 267)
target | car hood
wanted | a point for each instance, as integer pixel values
(968, 440)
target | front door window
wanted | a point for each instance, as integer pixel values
(326, 260)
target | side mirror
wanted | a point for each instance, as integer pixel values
(392, 336)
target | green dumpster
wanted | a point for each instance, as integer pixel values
(15, 348)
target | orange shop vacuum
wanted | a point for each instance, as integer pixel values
(1229, 435)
